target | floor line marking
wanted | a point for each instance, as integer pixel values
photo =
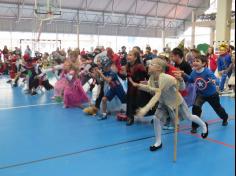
(27, 106)
(210, 139)
(88, 150)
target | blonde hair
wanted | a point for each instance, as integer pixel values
(161, 63)
(74, 53)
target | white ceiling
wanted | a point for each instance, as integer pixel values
(168, 15)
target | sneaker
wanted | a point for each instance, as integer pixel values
(103, 116)
(58, 99)
(168, 127)
(130, 122)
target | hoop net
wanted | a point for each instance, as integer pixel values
(46, 10)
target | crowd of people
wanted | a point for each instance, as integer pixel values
(139, 83)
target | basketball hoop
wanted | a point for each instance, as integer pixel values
(46, 10)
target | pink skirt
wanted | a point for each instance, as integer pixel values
(74, 94)
(60, 87)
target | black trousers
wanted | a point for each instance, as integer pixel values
(101, 95)
(214, 101)
(136, 101)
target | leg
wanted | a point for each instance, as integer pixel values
(161, 112)
(214, 101)
(130, 110)
(104, 105)
(184, 112)
(157, 130)
(99, 99)
(104, 109)
(47, 85)
(197, 110)
(222, 82)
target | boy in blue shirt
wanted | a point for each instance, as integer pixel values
(223, 63)
(115, 87)
(205, 81)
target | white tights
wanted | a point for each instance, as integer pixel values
(158, 127)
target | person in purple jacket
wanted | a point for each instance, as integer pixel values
(205, 81)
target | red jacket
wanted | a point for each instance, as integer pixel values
(170, 71)
(213, 62)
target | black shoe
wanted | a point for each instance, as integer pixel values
(34, 93)
(204, 135)
(9, 81)
(152, 121)
(130, 122)
(154, 148)
(193, 130)
(15, 85)
(225, 122)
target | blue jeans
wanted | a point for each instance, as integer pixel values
(222, 81)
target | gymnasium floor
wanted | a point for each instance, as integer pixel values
(40, 138)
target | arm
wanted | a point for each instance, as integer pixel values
(182, 85)
(146, 88)
(52, 69)
(107, 79)
(141, 112)
(212, 78)
(188, 78)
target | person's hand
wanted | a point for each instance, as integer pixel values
(140, 112)
(132, 82)
(213, 81)
(144, 82)
(98, 71)
(178, 75)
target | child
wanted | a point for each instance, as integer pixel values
(62, 82)
(232, 77)
(135, 98)
(223, 64)
(74, 95)
(212, 59)
(205, 80)
(164, 88)
(38, 78)
(115, 87)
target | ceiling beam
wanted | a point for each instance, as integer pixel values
(176, 4)
(108, 4)
(82, 10)
(89, 22)
(132, 5)
(150, 10)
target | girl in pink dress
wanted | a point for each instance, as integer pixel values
(74, 95)
(62, 83)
